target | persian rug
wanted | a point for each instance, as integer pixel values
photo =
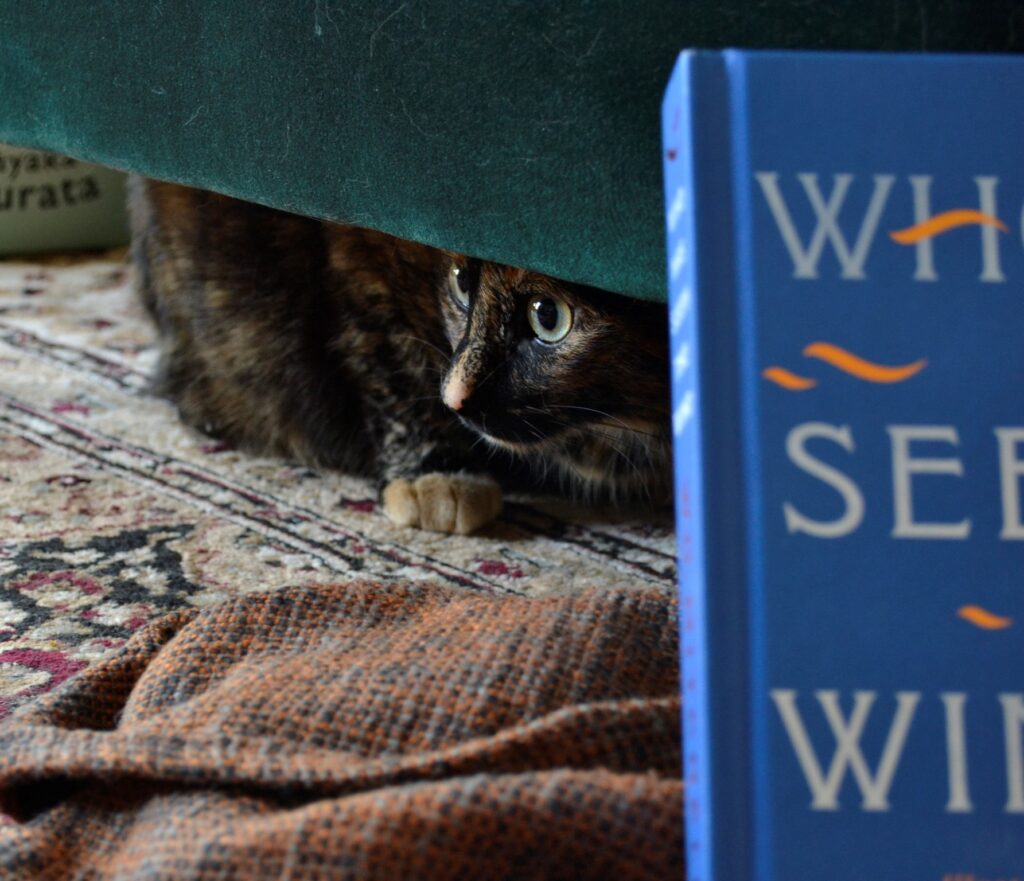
(457, 736)
(113, 513)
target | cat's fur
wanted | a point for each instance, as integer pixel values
(339, 346)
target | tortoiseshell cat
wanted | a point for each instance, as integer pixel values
(351, 349)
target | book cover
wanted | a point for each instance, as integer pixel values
(846, 271)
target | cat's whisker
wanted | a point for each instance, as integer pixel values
(638, 473)
(417, 371)
(434, 397)
(624, 426)
(603, 413)
(537, 433)
(658, 411)
(408, 336)
(621, 452)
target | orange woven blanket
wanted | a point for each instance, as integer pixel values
(364, 732)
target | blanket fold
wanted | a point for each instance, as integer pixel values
(360, 731)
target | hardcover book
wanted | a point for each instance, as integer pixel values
(846, 271)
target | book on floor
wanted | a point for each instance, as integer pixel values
(51, 203)
(846, 272)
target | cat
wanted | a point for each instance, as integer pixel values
(441, 376)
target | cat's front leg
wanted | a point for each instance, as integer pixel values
(453, 503)
(430, 480)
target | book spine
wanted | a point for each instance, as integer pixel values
(709, 467)
(678, 158)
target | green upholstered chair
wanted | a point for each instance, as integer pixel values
(518, 130)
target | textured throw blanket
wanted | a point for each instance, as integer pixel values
(364, 732)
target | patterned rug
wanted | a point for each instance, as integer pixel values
(112, 512)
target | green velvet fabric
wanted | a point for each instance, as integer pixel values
(524, 131)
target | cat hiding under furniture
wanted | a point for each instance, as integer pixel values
(443, 377)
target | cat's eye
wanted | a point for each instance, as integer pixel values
(550, 318)
(462, 282)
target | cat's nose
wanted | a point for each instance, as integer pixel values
(455, 393)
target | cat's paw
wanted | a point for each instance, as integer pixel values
(458, 503)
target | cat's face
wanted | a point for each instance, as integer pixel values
(571, 373)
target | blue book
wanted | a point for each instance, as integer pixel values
(846, 271)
